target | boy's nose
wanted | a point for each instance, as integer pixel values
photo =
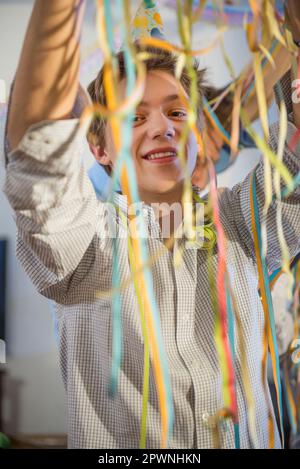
(160, 126)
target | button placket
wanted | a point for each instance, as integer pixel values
(185, 305)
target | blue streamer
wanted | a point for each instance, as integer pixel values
(125, 157)
(232, 346)
(268, 293)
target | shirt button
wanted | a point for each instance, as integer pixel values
(194, 363)
(224, 425)
(208, 420)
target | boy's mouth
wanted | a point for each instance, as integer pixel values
(161, 155)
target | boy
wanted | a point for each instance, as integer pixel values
(62, 247)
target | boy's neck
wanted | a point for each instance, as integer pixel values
(169, 197)
(165, 214)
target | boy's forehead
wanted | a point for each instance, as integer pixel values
(160, 85)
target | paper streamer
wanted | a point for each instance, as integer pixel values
(265, 35)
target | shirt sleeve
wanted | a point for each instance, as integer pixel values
(237, 200)
(54, 204)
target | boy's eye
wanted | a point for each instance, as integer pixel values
(179, 113)
(137, 119)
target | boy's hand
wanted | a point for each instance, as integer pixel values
(214, 144)
(292, 18)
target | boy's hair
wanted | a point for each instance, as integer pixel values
(159, 59)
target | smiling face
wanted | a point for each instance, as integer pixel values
(157, 128)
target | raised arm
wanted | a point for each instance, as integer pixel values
(46, 81)
(214, 141)
(272, 76)
(293, 19)
(54, 204)
(237, 200)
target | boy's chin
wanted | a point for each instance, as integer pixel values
(163, 187)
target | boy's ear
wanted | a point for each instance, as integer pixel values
(100, 154)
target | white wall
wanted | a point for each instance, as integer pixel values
(34, 395)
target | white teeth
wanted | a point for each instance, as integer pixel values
(161, 155)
